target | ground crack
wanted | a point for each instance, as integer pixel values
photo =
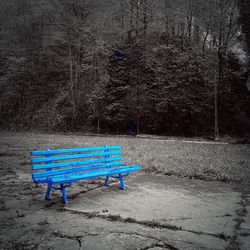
(241, 213)
(110, 217)
(147, 223)
(158, 243)
(78, 238)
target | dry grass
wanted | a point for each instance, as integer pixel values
(220, 162)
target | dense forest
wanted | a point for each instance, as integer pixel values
(172, 67)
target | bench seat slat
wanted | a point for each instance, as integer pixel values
(76, 156)
(44, 175)
(94, 174)
(74, 163)
(72, 150)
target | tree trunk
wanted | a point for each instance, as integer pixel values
(216, 123)
(166, 22)
(145, 19)
(138, 98)
(189, 19)
(138, 125)
(197, 34)
(98, 116)
(218, 81)
(204, 42)
(98, 124)
(137, 18)
(72, 90)
(117, 127)
(131, 15)
(76, 82)
(195, 125)
(122, 17)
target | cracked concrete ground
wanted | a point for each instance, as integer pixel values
(194, 210)
(155, 212)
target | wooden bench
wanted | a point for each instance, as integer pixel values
(59, 168)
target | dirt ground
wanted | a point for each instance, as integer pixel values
(156, 212)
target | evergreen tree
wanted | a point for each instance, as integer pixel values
(117, 89)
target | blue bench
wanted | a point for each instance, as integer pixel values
(59, 168)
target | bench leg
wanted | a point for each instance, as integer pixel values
(64, 194)
(106, 183)
(47, 196)
(122, 184)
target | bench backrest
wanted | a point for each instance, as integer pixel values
(46, 163)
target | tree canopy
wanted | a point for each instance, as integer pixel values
(125, 66)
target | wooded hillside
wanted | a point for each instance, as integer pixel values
(174, 67)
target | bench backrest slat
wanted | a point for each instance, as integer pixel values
(72, 150)
(76, 169)
(74, 163)
(75, 156)
(47, 164)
